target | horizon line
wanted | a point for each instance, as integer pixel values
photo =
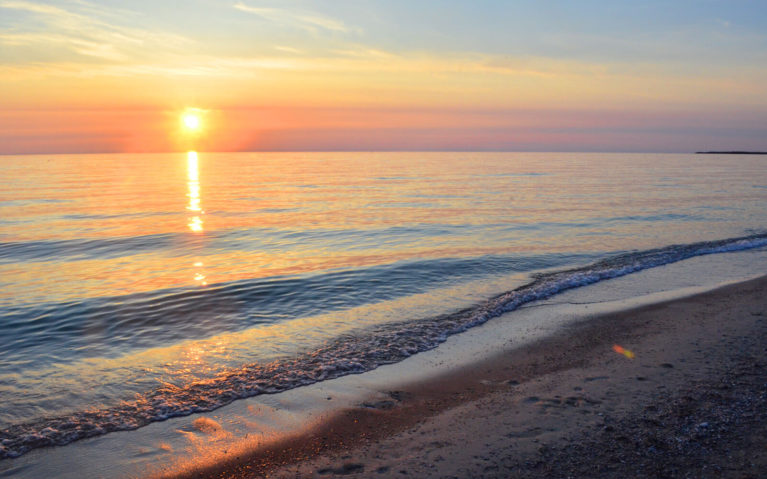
(690, 152)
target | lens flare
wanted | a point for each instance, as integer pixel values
(623, 351)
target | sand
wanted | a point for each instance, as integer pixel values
(686, 396)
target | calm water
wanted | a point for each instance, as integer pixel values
(139, 287)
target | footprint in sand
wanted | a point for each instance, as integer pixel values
(347, 468)
(536, 431)
(382, 405)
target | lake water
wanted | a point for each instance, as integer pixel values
(134, 288)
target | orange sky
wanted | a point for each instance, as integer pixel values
(86, 77)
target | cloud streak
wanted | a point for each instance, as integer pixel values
(304, 20)
(82, 35)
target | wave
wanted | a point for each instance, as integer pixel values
(73, 249)
(350, 354)
(104, 327)
(263, 239)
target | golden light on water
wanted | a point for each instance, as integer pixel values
(193, 191)
(194, 198)
(192, 167)
(195, 223)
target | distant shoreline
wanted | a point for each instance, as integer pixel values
(731, 152)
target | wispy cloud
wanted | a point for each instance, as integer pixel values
(304, 20)
(357, 51)
(83, 30)
(287, 49)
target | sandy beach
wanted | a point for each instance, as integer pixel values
(685, 397)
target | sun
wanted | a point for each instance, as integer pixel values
(191, 121)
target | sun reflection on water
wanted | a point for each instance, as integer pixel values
(193, 186)
(195, 223)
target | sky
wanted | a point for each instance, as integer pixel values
(82, 76)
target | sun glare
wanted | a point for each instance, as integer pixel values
(191, 121)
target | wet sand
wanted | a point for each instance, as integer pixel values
(691, 402)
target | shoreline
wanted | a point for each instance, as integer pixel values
(531, 408)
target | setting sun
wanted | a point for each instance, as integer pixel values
(191, 121)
